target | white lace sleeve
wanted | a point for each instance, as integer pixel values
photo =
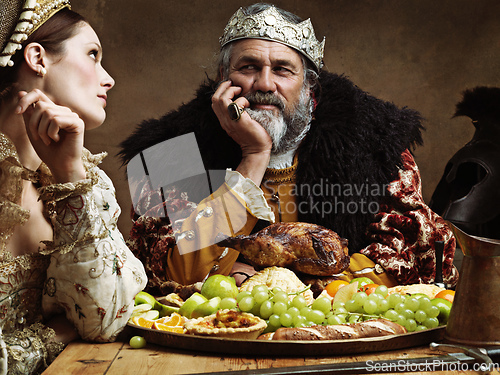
(251, 194)
(92, 276)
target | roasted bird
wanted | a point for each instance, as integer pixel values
(302, 247)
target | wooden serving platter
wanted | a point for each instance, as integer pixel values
(278, 348)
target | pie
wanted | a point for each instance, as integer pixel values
(227, 323)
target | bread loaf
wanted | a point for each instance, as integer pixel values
(369, 328)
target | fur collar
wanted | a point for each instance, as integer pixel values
(355, 141)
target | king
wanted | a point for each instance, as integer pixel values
(275, 124)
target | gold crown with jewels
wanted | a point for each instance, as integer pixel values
(271, 25)
(19, 19)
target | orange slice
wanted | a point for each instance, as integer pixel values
(333, 287)
(163, 320)
(142, 322)
(164, 327)
(446, 294)
(173, 320)
(176, 320)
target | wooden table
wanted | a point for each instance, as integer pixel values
(120, 359)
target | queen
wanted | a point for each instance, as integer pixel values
(65, 271)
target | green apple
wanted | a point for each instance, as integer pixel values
(142, 308)
(206, 308)
(191, 303)
(144, 297)
(152, 314)
(362, 281)
(167, 310)
(219, 286)
(444, 309)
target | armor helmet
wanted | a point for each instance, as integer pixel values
(468, 194)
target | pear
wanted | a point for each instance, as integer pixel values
(219, 286)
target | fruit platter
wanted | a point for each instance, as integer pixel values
(265, 317)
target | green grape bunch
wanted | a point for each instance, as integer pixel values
(281, 309)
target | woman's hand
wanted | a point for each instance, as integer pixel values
(56, 134)
(253, 139)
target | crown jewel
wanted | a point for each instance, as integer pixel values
(271, 25)
(30, 17)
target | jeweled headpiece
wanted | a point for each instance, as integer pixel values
(271, 25)
(19, 19)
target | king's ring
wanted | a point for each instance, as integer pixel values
(235, 111)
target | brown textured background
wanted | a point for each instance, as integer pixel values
(416, 53)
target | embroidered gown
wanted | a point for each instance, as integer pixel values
(87, 271)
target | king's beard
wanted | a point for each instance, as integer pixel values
(287, 127)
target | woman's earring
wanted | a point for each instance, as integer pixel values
(42, 72)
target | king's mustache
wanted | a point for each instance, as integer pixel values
(264, 98)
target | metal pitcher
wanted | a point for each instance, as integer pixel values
(475, 315)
